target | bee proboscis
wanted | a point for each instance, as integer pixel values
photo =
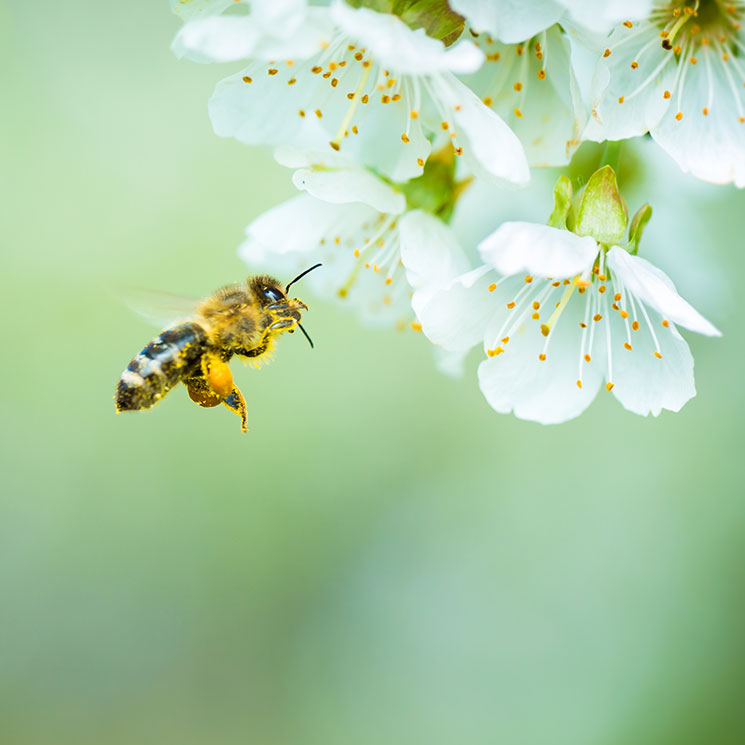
(241, 320)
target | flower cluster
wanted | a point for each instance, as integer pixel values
(390, 113)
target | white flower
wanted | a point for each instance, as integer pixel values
(375, 249)
(263, 31)
(531, 85)
(679, 75)
(513, 21)
(368, 84)
(558, 315)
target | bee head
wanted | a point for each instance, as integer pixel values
(284, 312)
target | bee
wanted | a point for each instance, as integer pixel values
(241, 319)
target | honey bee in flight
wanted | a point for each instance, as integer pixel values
(242, 319)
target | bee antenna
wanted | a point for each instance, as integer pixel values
(300, 276)
(305, 333)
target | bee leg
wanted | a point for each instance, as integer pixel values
(237, 404)
(209, 386)
(218, 375)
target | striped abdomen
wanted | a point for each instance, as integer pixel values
(159, 366)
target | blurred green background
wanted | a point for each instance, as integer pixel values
(382, 559)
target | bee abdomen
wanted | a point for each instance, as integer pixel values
(159, 367)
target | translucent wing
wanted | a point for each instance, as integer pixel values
(161, 309)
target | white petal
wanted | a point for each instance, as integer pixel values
(489, 144)
(539, 250)
(350, 185)
(260, 109)
(629, 101)
(540, 391)
(600, 16)
(645, 384)
(456, 317)
(547, 113)
(300, 157)
(283, 29)
(510, 21)
(393, 44)
(655, 289)
(448, 362)
(429, 251)
(711, 146)
(296, 225)
(217, 39)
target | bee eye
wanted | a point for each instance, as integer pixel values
(273, 294)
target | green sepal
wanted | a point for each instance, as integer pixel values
(562, 203)
(602, 213)
(638, 223)
(435, 191)
(436, 17)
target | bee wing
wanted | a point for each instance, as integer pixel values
(161, 309)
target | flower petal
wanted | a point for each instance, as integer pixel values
(628, 89)
(510, 21)
(646, 384)
(655, 289)
(543, 107)
(282, 29)
(491, 147)
(350, 185)
(540, 391)
(539, 250)
(449, 362)
(456, 317)
(708, 140)
(429, 251)
(601, 16)
(393, 44)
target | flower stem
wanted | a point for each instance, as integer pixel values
(611, 154)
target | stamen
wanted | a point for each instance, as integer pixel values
(336, 142)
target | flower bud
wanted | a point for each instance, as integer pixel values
(638, 223)
(602, 212)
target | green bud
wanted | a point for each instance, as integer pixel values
(638, 223)
(436, 190)
(562, 203)
(602, 213)
(436, 17)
